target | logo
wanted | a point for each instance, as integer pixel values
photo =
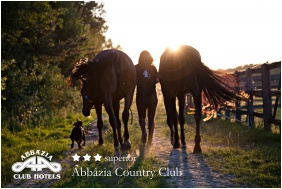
(146, 74)
(36, 160)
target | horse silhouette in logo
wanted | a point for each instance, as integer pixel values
(78, 134)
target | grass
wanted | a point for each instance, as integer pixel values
(53, 139)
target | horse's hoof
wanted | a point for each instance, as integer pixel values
(176, 145)
(171, 141)
(150, 142)
(101, 142)
(117, 151)
(197, 149)
(144, 139)
(126, 145)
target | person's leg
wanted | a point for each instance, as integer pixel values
(153, 101)
(141, 103)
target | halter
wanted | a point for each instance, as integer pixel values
(87, 101)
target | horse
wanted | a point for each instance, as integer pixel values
(78, 134)
(181, 71)
(105, 80)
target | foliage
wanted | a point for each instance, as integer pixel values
(40, 42)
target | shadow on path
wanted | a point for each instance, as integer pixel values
(194, 171)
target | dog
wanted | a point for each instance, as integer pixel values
(78, 134)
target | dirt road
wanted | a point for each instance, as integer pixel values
(194, 171)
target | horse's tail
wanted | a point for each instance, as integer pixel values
(217, 86)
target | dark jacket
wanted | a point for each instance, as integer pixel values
(146, 79)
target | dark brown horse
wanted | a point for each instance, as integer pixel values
(180, 72)
(108, 78)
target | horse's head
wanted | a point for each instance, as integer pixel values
(87, 102)
(80, 72)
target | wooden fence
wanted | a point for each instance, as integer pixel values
(263, 82)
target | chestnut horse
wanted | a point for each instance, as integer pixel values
(108, 78)
(181, 71)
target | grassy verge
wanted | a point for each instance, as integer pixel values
(53, 139)
(252, 155)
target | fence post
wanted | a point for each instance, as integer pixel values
(237, 102)
(227, 113)
(249, 89)
(266, 92)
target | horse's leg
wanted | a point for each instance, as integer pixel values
(198, 114)
(113, 122)
(172, 120)
(125, 117)
(98, 108)
(175, 123)
(169, 120)
(116, 111)
(181, 104)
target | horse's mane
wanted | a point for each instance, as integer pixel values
(79, 72)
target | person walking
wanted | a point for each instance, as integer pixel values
(146, 97)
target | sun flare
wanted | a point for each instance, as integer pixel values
(174, 47)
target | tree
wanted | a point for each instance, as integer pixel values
(40, 41)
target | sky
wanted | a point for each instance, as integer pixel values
(226, 33)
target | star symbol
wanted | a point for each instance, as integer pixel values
(97, 157)
(87, 157)
(76, 157)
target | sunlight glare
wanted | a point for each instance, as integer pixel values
(173, 47)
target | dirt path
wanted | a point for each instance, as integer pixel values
(194, 171)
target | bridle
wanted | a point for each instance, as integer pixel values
(87, 101)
